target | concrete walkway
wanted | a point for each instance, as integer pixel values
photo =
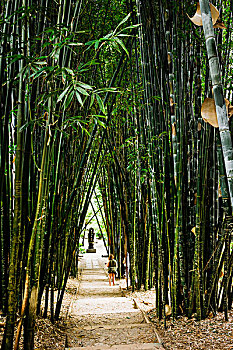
(101, 317)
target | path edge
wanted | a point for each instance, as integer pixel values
(145, 318)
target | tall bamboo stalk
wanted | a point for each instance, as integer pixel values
(221, 111)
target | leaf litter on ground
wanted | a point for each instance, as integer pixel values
(181, 334)
(188, 334)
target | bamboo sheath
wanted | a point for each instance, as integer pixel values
(218, 93)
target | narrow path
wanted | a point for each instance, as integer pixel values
(100, 317)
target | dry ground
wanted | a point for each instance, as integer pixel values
(183, 334)
(212, 333)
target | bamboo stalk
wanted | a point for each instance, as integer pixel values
(218, 94)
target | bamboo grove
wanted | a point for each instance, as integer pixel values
(106, 98)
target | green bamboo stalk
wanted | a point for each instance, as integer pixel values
(17, 222)
(27, 295)
(218, 94)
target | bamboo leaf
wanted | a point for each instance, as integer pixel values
(101, 123)
(122, 22)
(96, 44)
(115, 45)
(90, 43)
(92, 99)
(129, 27)
(123, 35)
(84, 129)
(70, 71)
(109, 35)
(55, 54)
(85, 67)
(63, 94)
(101, 104)
(84, 86)
(81, 90)
(15, 58)
(68, 100)
(79, 98)
(75, 44)
(42, 63)
(107, 89)
(120, 42)
(41, 71)
(99, 116)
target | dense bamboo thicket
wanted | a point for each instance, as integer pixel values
(52, 116)
(97, 101)
(166, 169)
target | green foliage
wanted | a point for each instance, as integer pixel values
(112, 40)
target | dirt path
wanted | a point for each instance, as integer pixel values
(101, 317)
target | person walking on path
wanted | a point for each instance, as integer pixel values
(112, 267)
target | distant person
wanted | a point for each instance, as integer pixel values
(112, 267)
